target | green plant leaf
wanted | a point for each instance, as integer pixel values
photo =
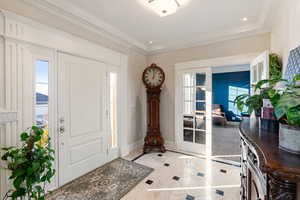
(18, 193)
(293, 116)
(260, 83)
(18, 181)
(24, 136)
(285, 103)
(18, 172)
(296, 78)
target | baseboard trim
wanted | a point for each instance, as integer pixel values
(170, 145)
(132, 147)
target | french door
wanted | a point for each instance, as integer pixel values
(87, 101)
(193, 103)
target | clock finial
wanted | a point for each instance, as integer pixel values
(153, 65)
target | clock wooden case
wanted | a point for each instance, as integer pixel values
(153, 78)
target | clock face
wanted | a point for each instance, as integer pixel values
(153, 77)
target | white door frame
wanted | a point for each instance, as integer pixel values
(197, 64)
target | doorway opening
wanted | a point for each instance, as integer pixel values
(228, 82)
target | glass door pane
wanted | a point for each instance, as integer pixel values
(113, 108)
(194, 112)
(42, 98)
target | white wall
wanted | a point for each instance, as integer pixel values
(167, 61)
(285, 34)
(136, 100)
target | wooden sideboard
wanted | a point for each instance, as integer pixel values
(267, 172)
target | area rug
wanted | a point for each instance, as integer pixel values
(109, 182)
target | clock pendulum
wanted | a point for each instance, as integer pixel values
(153, 78)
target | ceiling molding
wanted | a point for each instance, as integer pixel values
(216, 62)
(80, 17)
(221, 38)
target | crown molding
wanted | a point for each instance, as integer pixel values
(219, 38)
(81, 18)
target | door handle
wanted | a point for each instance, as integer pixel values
(61, 129)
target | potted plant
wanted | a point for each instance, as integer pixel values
(287, 110)
(247, 103)
(265, 88)
(31, 166)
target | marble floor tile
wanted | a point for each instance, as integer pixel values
(213, 184)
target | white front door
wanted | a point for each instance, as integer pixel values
(82, 116)
(193, 111)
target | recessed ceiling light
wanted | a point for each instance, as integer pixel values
(245, 19)
(150, 42)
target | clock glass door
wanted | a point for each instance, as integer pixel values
(196, 112)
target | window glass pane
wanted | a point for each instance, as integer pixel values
(113, 108)
(200, 94)
(42, 97)
(233, 93)
(188, 135)
(200, 137)
(200, 79)
(200, 121)
(188, 122)
(200, 106)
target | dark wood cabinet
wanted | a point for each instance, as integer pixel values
(267, 172)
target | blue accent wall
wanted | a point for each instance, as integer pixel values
(221, 84)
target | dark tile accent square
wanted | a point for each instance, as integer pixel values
(220, 192)
(167, 164)
(189, 197)
(223, 171)
(160, 155)
(200, 174)
(149, 182)
(176, 178)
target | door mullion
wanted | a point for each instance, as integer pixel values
(194, 107)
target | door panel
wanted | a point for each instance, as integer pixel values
(259, 68)
(82, 132)
(194, 103)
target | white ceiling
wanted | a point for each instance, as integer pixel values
(198, 22)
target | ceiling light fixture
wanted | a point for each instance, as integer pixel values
(245, 19)
(164, 7)
(150, 42)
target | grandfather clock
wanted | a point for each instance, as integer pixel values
(153, 78)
